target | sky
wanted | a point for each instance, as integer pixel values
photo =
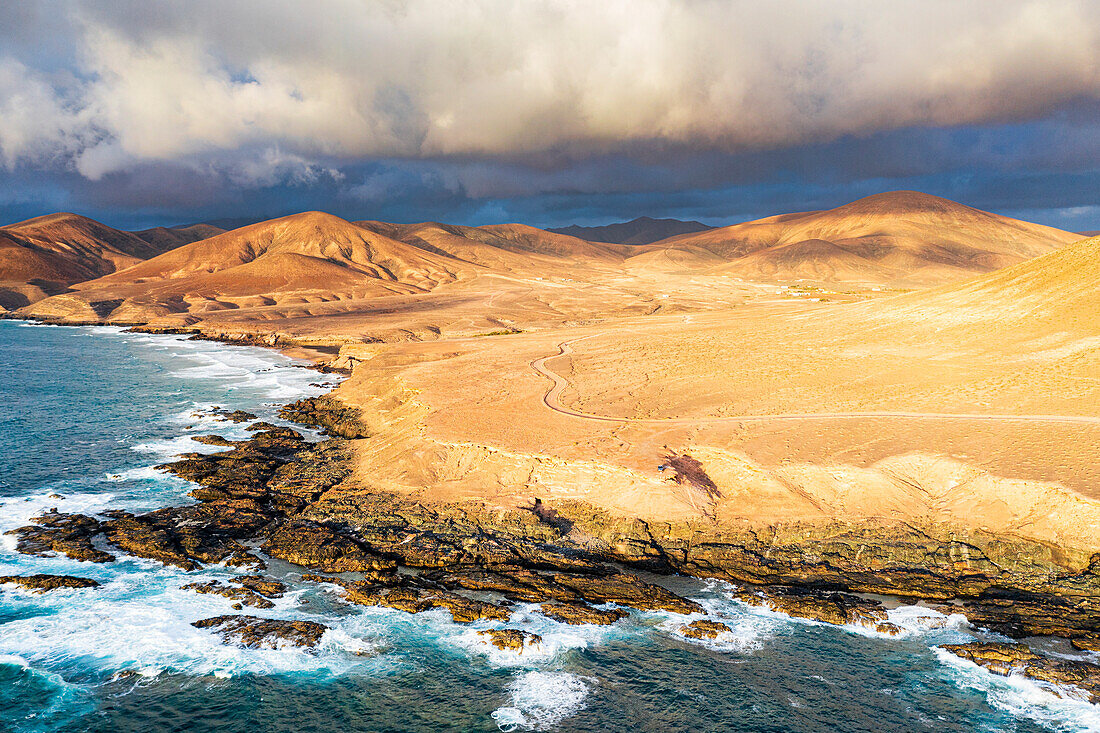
(547, 113)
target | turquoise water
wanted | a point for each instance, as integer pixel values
(86, 413)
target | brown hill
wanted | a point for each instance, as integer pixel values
(902, 236)
(643, 230)
(1056, 294)
(809, 259)
(301, 258)
(167, 238)
(72, 232)
(509, 247)
(42, 256)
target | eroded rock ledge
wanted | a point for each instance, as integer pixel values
(325, 412)
(290, 497)
(262, 633)
(1009, 659)
(42, 583)
(1011, 586)
(257, 491)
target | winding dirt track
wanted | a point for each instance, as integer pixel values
(552, 399)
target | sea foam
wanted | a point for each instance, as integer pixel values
(541, 700)
(1023, 697)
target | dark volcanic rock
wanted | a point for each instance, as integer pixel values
(41, 583)
(242, 491)
(452, 536)
(242, 472)
(294, 496)
(369, 579)
(314, 470)
(146, 539)
(239, 416)
(512, 640)
(704, 629)
(1086, 643)
(259, 633)
(521, 584)
(579, 613)
(212, 440)
(322, 548)
(230, 415)
(819, 605)
(626, 590)
(413, 599)
(329, 414)
(528, 585)
(66, 534)
(1018, 614)
(244, 596)
(515, 583)
(1007, 659)
(258, 584)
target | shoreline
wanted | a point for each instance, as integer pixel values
(319, 354)
(542, 545)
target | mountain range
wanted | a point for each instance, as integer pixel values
(642, 230)
(44, 255)
(71, 268)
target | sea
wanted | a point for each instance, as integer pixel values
(86, 413)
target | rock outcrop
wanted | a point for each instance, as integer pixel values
(704, 629)
(1012, 586)
(579, 613)
(329, 414)
(512, 582)
(266, 587)
(291, 497)
(65, 534)
(243, 494)
(319, 547)
(511, 640)
(262, 633)
(417, 600)
(829, 607)
(41, 583)
(243, 596)
(1007, 659)
(237, 416)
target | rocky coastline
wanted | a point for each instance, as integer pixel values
(287, 496)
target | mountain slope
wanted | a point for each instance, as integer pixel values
(68, 232)
(901, 236)
(642, 230)
(44, 255)
(301, 258)
(513, 248)
(69, 248)
(1057, 293)
(167, 238)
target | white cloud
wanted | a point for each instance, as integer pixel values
(273, 166)
(37, 123)
(342, 79)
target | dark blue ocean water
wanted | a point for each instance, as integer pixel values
(85, 414)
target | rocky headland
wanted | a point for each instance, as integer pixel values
(294, 500)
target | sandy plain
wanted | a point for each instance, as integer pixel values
(797, 411)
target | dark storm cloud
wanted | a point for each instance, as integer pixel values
(546, 111)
